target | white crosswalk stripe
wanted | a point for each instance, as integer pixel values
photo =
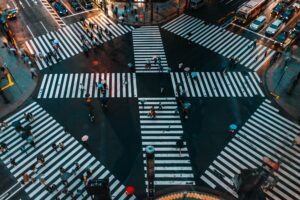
(53, 13)
(79, 84)
(172, 167)
(265, 134)
(69, 39)
(216, 84)
(147, 44)
(47, 131)
(220, 41)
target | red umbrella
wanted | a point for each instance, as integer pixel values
(130, 190)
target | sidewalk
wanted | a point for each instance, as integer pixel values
(24, 85)
(139, 14)
(288, 95)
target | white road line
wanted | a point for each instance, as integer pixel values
(30, 31)
(44, 26)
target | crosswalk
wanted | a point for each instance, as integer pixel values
(266, 133)
(53, 13)
(220, 41)
(46, 131)
(217, 84)
(77, 85)
(69, 39)
(171, 166)
(147, 43)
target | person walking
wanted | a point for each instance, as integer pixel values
(76, 168)
(92, 116)
(33, 73)
(3, 125)
(13, 162)
(152, 112)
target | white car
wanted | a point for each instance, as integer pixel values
(274, 27)
(258, 23)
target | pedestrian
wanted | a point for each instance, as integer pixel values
(25, 178)
(54, 146)
(41, 159)
(152, 112)
(13, 50)
(185, 113)
(61, 146)
(62, 171)
(33, 73)
(91, 25)
(160, 106)
(180, 144)
(77, 167)
(160, 67)
(266, 53)
(155, 60)
(256, 58)
(3, 125)
(178, 88)
(29, 117)
(3, 147)
(13, 162)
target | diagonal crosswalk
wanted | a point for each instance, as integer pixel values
(77, 85)
(147, 44)
(171, 166)
(266, 133)
(221, 41)
(217, 84)
(70, 41)
(46, 131)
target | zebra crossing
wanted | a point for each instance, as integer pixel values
(46, 131)
(53, 13)
(217, 84)
(69, 39)
(221, 41)
(147, 43)
(266, 133)
(77, 85)
(172, 167)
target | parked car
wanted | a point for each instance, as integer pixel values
(258, 23)
(288, 14)
(76, 6)
(87, 4)
(296, 5)
(281, 38)
(274, 27)
(278, 9)
(60, 9)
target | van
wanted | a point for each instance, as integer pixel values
(195, 4)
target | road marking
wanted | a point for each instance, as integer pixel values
(30, 31)
(20, 2)
(95, 9)
(28, 3)
(44, 26)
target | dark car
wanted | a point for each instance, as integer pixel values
(297, 27)
(76, 6)
(286, 2)
(60, 9)
(87, 4)
(288, 14)
(277, 9)
(280, 39)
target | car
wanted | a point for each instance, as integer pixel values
(60, 9)
(87, 4)
(297, 27)
(288, 14)
(76, 6)
(277, 9)
(281, 38)
(296, 5)
(274, 27)
(258, 23)
(287, 2)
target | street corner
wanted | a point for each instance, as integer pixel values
(154, 85)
